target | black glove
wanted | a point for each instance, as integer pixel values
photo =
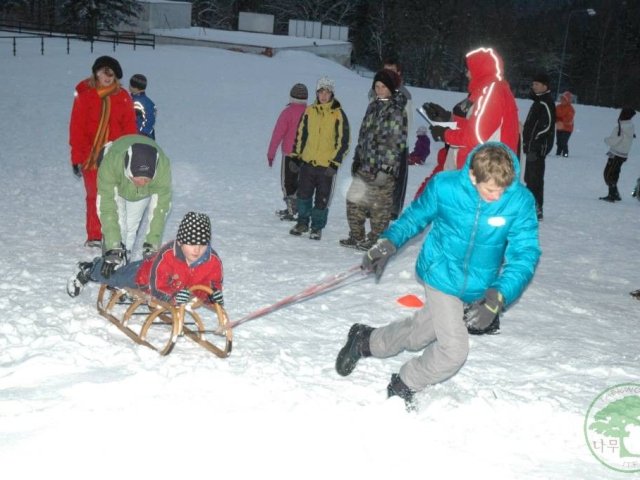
(437, 132)
(436, 113)
(182, 296)
(483, 312)
(216, 297)
(462, 108)
(377, 257)
(330, 171)
(148, 250)
(294, 164)
(77, 171)
(112, 260)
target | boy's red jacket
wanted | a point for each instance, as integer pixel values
(168, 272)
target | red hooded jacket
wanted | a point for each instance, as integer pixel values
(85, 117)
(494, 114)
(168, 272)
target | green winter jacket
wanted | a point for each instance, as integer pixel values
(113, 182)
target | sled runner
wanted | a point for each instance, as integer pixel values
(157, 324)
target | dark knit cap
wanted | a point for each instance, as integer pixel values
(299, 92)
(194, 229)
(138, 81)
(107, 61)
(141, 160)
(389, 78)
(627, 113)
(542, 77)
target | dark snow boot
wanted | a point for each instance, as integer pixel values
(636, 190)
(76, 283)
(611, 197)
(289, 213)
(357, 346)
(616, 194)
(315, 234)
(350, 242)
(398, 387)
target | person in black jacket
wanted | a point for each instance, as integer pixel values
(538, 137)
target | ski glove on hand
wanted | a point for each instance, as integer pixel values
(216, 297)
(183, 296)
(437, 132)
(436, 113)
(148, 250)
(77, 170)
(377, 257)
(270, 161)
(462, 108)
(294, 165)
(483, 312)
(112, 260)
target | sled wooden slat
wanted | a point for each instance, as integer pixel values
(110, 307)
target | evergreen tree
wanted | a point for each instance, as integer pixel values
(92, 16)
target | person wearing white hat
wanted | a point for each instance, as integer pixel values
(322, 141)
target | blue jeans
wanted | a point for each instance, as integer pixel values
(123, 277)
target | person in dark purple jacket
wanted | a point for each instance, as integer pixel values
(422, 148)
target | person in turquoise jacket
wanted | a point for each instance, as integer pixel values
(482, 249)
(134, 178)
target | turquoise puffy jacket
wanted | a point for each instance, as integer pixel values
(472, 245)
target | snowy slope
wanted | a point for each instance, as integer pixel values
(78, 398)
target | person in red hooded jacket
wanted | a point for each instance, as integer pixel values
(488, 114)
(102, 111)
(564, 123)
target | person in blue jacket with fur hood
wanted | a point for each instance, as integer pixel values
(482, 249)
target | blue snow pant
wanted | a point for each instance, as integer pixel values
(438, 328)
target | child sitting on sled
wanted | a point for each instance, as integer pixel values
(180, 264)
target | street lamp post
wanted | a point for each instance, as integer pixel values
(589, 11)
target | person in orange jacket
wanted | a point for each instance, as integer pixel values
(102, 111)
(564, 123)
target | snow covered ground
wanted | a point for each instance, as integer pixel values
(81, 400)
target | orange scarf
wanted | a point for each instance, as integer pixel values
(102, 134)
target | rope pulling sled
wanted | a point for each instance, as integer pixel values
(152, 331)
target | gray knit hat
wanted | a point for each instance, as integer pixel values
(194, 229)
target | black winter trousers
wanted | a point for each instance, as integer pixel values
(534, 177)
(289, 176)
(562, 141)
(612, 170)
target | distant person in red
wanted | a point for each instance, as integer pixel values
(102, 111)
(492, 114)
(564, 123)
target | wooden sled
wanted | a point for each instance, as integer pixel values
(157, 324)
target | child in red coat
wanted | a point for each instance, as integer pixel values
(179, 265)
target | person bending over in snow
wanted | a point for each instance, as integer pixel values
(134, 177)
(482, 248)
(180, 264)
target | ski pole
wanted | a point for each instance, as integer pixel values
(324, 286)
